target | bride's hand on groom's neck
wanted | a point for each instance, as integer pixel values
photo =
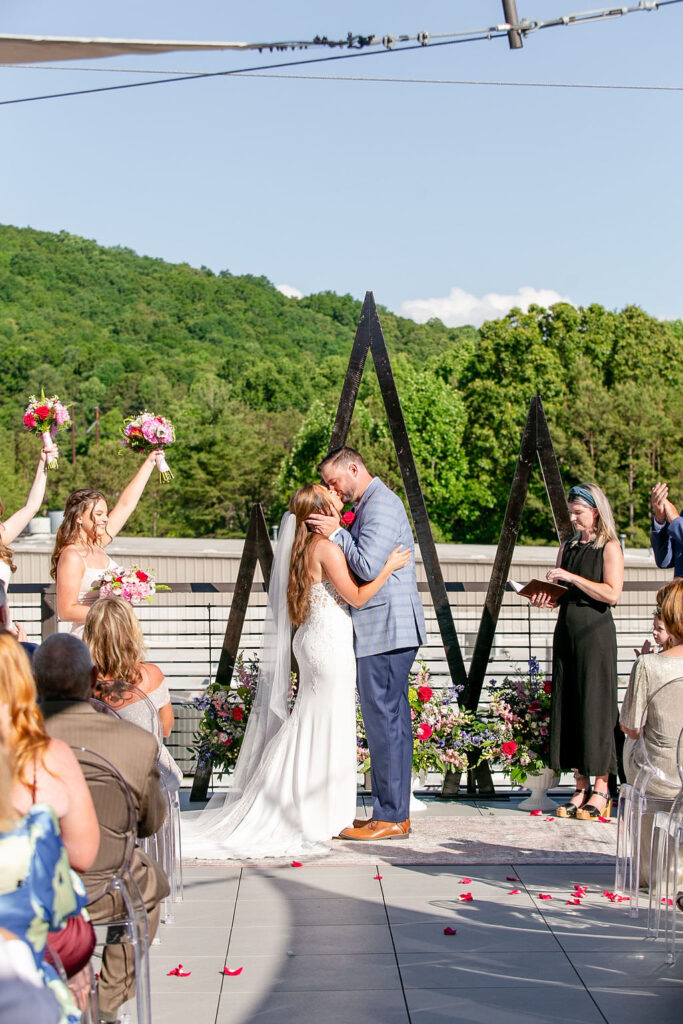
(325, 525)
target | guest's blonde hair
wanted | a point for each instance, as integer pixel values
(670, 607)
(605, 528)
(114, 638)
(28, 740)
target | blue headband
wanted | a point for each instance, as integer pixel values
(582, 494)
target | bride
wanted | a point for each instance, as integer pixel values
(294, 784)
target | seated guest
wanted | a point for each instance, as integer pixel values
(65, 676)
(38, 892)
(661, 731)
(113, 635)
(44, 770)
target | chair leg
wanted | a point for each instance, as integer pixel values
(178, 849)
(623, 837)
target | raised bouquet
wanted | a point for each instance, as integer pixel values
(147, 432)
(134, 585)
(45, 416)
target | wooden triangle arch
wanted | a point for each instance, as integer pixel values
(257, 548)
(536, 443)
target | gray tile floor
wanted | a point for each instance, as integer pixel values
(331, 944)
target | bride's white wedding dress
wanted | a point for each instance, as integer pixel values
(303, 791)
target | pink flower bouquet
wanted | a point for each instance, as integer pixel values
(133, 585)
(147, 432)
(45, 416)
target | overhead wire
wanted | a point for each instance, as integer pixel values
(632, 87)
(423, 40)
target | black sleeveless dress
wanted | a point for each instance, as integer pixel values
(584, 708)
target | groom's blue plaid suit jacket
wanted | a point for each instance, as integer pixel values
(393, 618)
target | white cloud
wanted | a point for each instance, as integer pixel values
(289, 291)
(459, 307)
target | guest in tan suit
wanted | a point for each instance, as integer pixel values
(65, 676)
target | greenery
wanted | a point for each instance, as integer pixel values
(251, 381)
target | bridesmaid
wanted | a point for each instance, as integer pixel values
(79, 557)
(12, 527)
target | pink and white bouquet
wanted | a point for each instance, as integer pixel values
(45, 416)
(133, 585)
(147, 432)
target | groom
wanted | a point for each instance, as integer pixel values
(388, 631)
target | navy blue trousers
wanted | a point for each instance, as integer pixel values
(383, 689)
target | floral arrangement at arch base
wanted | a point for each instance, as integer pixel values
(521, 707)
(218, 737)
(444, 735)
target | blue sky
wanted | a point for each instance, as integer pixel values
(443, 199)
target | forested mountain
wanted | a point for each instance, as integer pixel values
(251, 380)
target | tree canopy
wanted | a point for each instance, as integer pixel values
(252, 378)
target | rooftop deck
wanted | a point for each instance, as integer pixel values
(330, 943)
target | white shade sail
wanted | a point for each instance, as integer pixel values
(34, 49)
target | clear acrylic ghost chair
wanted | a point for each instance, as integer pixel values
(132, 705)
(665, 858)
(117, 814)
(661, 715)
(81, 982)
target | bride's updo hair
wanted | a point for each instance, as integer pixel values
(308, 499)
(77, 503)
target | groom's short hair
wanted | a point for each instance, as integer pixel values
(340, 458)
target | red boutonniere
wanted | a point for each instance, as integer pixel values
(348, 517)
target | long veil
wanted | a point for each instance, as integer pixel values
(270, 708)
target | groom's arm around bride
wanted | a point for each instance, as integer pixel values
(388, 631)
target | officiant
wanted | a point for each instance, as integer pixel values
(584, 706)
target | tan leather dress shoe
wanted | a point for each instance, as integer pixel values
(374, 830)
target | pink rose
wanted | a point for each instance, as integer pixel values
(42, 412)
(348, 517)
(509, 748)
(424, 731)
(29, 420)
(425, 693)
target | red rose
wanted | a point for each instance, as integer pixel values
(134, 432)
(29, 420)
(509, 748)
(119, 579)
(547, 686)
(142, 576)
(42, 412)
(535, 706)
(424, 731)
(237, 714)
(425, 693)
(348, 518)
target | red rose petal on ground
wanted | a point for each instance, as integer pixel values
(535, 814)
(232, 974)
(514, 892)
(178, 972)
(449, 931)
(666, 902)
(544, 896)
(550, 819)
(607, 820)
(466, 897)
(574, 903)
(511, 878)
(296, 864)
(378, 878)
(464, 881)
